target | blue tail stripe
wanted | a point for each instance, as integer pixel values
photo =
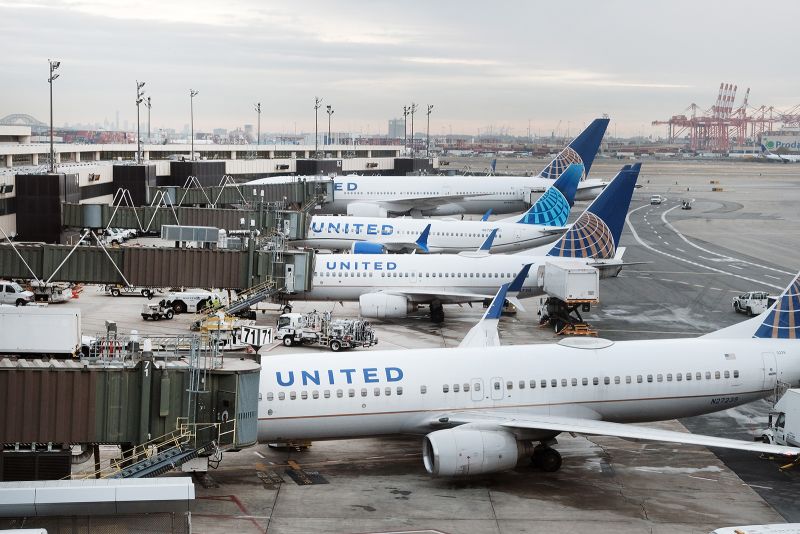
(519, 280)
(422, 240)
(582, 149)
(487, 244)
(553, 207)
(783, 319)
(496, 308)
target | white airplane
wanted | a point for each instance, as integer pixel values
(543, 223)
(481, 407)
(785, 158)
(379, 196)
(394, 285)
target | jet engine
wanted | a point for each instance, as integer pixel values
(382, 305)
(365, 209)
(461, 452)
(367, 247)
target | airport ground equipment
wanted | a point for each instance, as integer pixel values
(35, 331)
(752, 303)
(146, 394)
(195, 300)
(13, 294)
(320, 328)
(570, 288)
(52, 292)
(784, 421)
(157, 311)
(116, 290)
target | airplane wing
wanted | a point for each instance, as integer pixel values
(447, 297)
(405, 205)
(556, 423)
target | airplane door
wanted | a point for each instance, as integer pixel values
(289, 278)
(770, 370)
(497, 388)
(477, 389)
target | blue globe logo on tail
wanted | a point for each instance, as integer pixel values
(589, 237)
(783, 319)
(551, 209)
(565, 158)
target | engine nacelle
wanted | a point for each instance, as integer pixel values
(461, 452)
(365, 209)
(382, 306)
(367, 247)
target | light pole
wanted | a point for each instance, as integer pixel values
(258, 131)
(405, 126)
(192, 94)
(139, 100)
(412, 110)
(317, 105)
(428, 132)
(329, 111)
(53, 66)
(148, 104)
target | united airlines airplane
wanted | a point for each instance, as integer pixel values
(394, 285)
(785, 158)
(482, 407)
(543, 223)
(379, 196)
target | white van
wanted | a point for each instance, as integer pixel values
(656, 200)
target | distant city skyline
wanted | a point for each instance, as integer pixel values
(555, 66)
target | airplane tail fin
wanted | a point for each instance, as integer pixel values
(582, 149)
(552, 208)
(782, 319)
(597, 231)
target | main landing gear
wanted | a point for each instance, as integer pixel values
(546, 458)
(437, 312)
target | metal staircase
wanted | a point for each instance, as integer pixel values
(250, 296)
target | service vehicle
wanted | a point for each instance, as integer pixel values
(13, 294)
(52, 292)
(320, 328)
(784, 421)
(686, 205)
(752, 303)
(195, 300)
(42, 331)
(157, 311)
(112, 236)
(115, 290)
(656, 200)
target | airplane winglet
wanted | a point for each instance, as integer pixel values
(422, 240)
(487, 244)
(516, 285)
(484, 334)
(486, 215)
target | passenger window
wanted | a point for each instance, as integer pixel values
(532, 384)
(315, 394)
(544, 383)
(521, 384)
(445, 388)
(616, 380)
(659, 378)
(456, 388)
(509, 385)
(585, 381)
(351, 393)
(628, 379)
(678, 377)
(399, 390)
(553, 382)
(423, 389)
(563, 382)
(477, 386)
(292, 395)
(339, 393)
(688, 376)
(708, 375)
(269, 396)
(638, 379)
(377, 392)
(363, 392)
(496, 386)
(281, 395)
(669, 377)
(595, 381)
(699, 376)
(649, 378)
(606, 380)
(574, 381)
(716, 375)
(735, 374)
(387, 391)
(466, 388)
(304, 395)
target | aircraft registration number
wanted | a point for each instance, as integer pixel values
(724, 400)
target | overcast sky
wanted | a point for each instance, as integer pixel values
(481, 64)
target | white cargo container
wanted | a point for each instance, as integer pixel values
(41, 331)
(572, 282)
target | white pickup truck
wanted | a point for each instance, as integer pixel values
(752, 303)
(13, 294)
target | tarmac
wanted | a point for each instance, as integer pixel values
(692, 263)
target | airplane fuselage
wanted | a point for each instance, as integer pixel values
(446, 236)
(323, 396)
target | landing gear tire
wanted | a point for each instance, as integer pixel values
(547, 459)
(437, 312)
